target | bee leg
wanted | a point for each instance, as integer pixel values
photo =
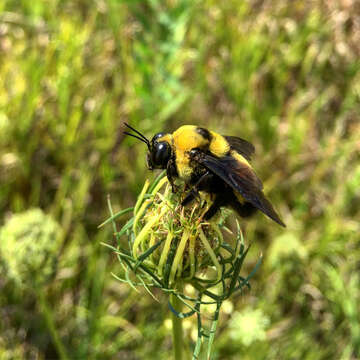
(173, 186)
(199, 185)
(190, 196)
(171, 173)
(215, 206)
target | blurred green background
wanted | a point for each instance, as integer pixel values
(282, 74)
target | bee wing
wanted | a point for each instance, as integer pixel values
(242, 179)
(242, 146)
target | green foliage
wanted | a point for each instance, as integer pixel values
(284, 75)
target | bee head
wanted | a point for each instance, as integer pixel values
(159, 152)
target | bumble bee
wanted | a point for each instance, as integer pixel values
(209, 162)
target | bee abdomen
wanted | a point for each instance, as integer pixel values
(245, 209)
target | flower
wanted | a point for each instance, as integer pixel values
(248, 326)
(29, 242)
(178, 239)
(169, 245)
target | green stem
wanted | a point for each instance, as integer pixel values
(46, 311)
(177, 329)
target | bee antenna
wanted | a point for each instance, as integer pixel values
(146, 141)
(138, 132)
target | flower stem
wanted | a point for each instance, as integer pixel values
(177, 329)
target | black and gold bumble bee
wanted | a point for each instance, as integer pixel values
(210, 162)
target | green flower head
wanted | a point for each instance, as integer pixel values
(181, 242)
(169, 245)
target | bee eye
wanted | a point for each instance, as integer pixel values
(161, 154)
(157, 136)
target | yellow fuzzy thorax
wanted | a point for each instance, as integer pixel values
(187, 137)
